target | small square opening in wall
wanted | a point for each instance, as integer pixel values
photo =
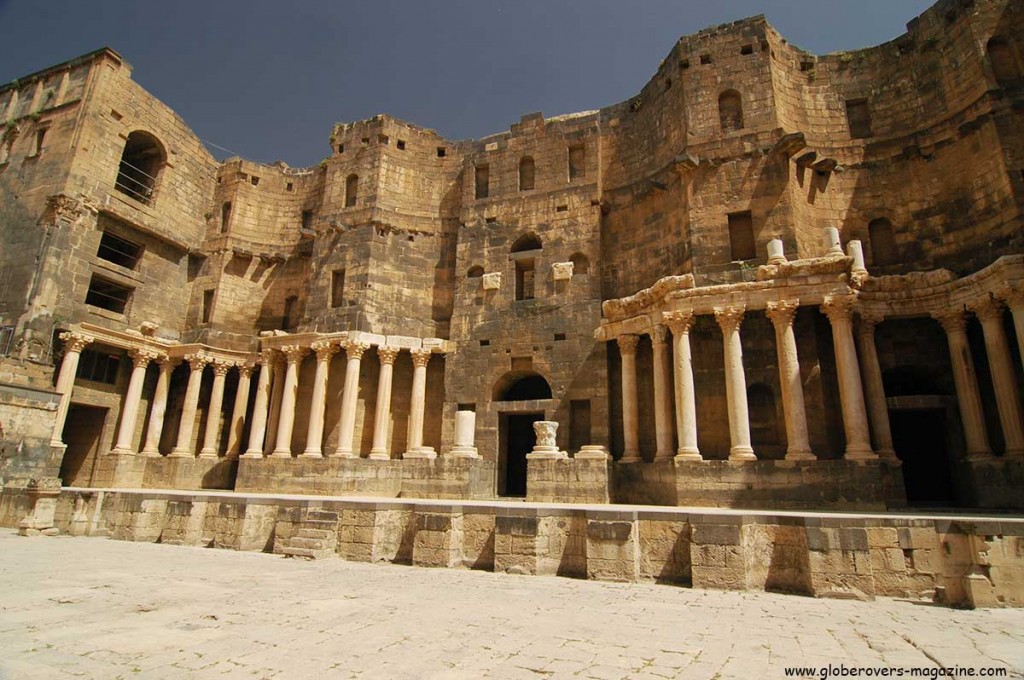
(365, 141)
(491, 220)
(485, 343)
(747, 49)
(806, 66)
(684, 64)
(382, 139)
(341, 148)
(255, 180)
(207, 305)
(467, 407)
(441, 152)
(562, 208)
(559, 337)
(401, 145)
(289, 187)
(705, 59)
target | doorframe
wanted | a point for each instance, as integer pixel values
(501, 478)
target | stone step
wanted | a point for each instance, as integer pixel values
(321, 534)
(311, 543)
(322, 515)
(308, 553)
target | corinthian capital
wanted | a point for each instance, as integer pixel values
(142, 356)
(628, 343)
(838, 307)
(952, 320)
(782, 312)
(420, 357)
(197, 362)
(678, 322)
(75, 341)
(987, 309)
(293, 353)
(387, 355)
(730, 317)
(355, 350)
(324, 349)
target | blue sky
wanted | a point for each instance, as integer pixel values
(267, 79)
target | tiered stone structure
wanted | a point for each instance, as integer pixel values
(769, 279)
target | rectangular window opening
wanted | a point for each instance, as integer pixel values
(577, 162)
(225, 216)
(483, 179)
(255, 180)
(684, 64)
(98, 366)
(747, 49)
(108, 295)
(337, 288)
(806, 66)
(289, 187)
(40, 136)
(382, 139)
(307, 219)
(741, 237)
(559, 337)
(441, 152)
(119, 251)
(859, 116)
(207, 305)
(705, 59)
(341, 148)
(524, 280)
(562, 208)
(485, 343)
(401, 145)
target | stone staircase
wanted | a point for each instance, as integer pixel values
(316, 536)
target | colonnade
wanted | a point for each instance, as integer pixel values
(861, 392)
(272, 418)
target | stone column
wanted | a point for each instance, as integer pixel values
(630, 414)
(662, 396)
(782, 313)
(238, 410)
(211, 437)
(258, 429)
(966, 380)
(729, 319)
(417, 406)
(74, 343)
(382, 416)
(874, 390)
(347, 426)
(686, 402)
(1013, 296)
(130, 411)
(465, 436)
(1004, 381)
(839, 310)
(196, 364)
(286, 422)
(324, 349)
(158, 409)
(276, 394)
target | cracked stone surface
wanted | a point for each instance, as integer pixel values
(97, 608)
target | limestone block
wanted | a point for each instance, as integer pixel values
(612, 550)
(491, 281)
(561, 271)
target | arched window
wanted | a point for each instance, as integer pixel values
(475, 272)
(580, 264)
(764, 425)
(141, 162)
(882, 242)
(526, 242)
(1004, 62)
(351, 190)
(526, 172)
(730, 111)
(521, 386)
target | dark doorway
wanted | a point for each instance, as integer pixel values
(517, 439)
(83, 431)
(919, 437)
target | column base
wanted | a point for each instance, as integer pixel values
(252, 454)
(631, 457)
(379, 455)
(150, 453)
(121, 452)
(338, 453)
(663, 455)
(462, 452)
(546, 453)
(860, 454)
(285, 453)
(208, 455)
(689, 454)
(741, 453)
(592, 452)
(1014, 453)
(420, 452)
(311, 453)
(181, 453)
(800, 455)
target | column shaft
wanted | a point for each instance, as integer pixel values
(686, 403)
(839, 310)
(276, 397)
(874, 390)
(315, 432)
(630, 413)
(238, 410)
(1004, 381)
(972, 416)
(662, 395)
(729, 319)
(130, 409)
(258, 429)
(183, 447)
(382, 416)
(347, 426)
(158, 410)
(211, 438)
(782, 315)
(74, 343)
(417, 405)
(286, 421)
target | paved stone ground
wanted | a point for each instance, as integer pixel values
(98, 608)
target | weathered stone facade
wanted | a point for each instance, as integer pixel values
(770, 279)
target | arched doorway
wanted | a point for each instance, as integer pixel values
(516, 436)
(919, 420)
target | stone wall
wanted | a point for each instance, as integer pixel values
(959, 561)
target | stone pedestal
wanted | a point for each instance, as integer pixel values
(43, 493)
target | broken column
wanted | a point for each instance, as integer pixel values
(465, 432)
